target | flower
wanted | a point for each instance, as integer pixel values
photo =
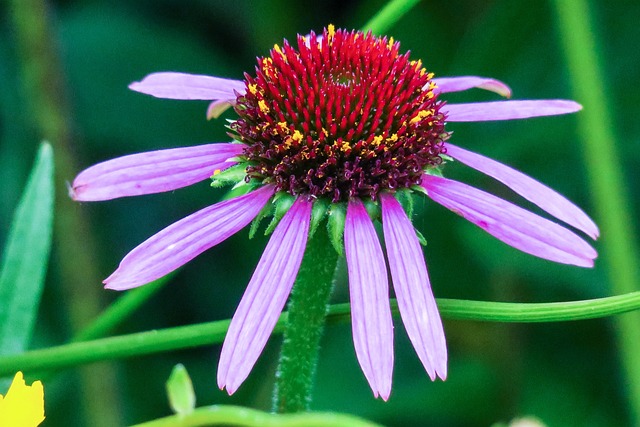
(343, 118)
(23, 405)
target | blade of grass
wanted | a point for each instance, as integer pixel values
(26, 256)
(388, 15)
(595, 125)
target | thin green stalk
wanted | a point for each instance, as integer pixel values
(120, 310)
(619, 251)
(308, 306)
(388, 15)
(241, 416)
(144, 343)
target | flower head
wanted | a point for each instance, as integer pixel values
(23, 405)
(347, 119)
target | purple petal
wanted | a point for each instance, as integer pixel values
(513, 225)
(411, 282)
(370, 311)
(184, 240)
(171, 85)
(152, 172)
(458, 84)
(529, 188)
(264, 297)
(507, 110)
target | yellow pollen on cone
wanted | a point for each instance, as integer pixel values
(263, 106)
(297, 136)
(282, 126)
(421, 115)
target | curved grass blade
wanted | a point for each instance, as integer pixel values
(26, 255)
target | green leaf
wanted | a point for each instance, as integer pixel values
(182, 398)
(26, 255)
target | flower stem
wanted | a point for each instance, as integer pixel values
(308, 306)
(619, 251)
(246, 417)
(206, 334)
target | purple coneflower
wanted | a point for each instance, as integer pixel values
(343, 118)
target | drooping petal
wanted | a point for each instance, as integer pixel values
(507, 110)
(216, 108)
(369, 291)
(458, 84)
(513, 225)
(417, 305)
(171, 85)
(264, 297)
(152, 172)
(532, 190)
(182, 241)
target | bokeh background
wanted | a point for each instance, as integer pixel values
(566, 374)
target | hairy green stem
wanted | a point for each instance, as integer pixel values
(245, 417)
(388, 15)
(307, 310)
(619, 250)
(143, 343)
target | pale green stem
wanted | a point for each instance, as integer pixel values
(618, 248)
(388, 15)
(214, 332)
(245, 417)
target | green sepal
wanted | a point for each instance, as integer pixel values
(405, 198)
(373, 209)
(233, 175)
(318, 212)
(447, 158)
(434, 171)
(182, 398)
(335, 226)
(240, 189)
(266, 211)
(421, 238)
(419, 189)
(282, 202)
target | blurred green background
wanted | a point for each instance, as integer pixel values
(566, 374)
